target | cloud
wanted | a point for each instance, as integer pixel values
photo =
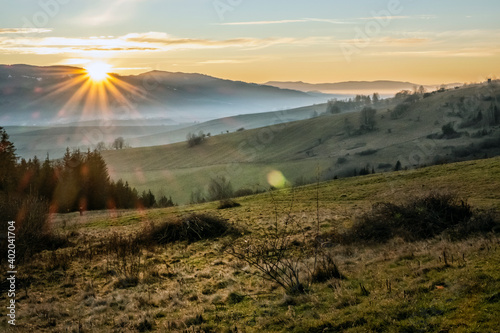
(458, 53)
(226, 61)
(136, 42)
(304, 20)
(400, 17)
(163, 40)
(403, 41)
(24, 30)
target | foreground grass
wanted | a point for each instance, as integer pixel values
(434, 285)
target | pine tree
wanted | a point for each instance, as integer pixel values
(8, 162)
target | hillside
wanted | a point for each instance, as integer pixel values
(103, 280)
(299, 149)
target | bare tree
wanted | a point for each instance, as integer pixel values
(100, 146)
(220, 188)
(367, 118)
(118, 143)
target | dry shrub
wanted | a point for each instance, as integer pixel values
(420, 218)
(190, 228)
(32, 231)
(228, 203)
(325, 270)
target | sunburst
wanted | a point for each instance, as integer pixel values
(98, 71)
(95, 92)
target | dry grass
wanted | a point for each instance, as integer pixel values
(195, 286)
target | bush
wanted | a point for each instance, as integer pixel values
(32, 232)
(228, 203)
(190, 228)
(219, 189)
(367, 152)
(341, 160)
(400, 110)
(419, 218)
(326, 270)
(449, 132)
(195, 139)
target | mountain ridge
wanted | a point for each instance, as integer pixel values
(55, 94)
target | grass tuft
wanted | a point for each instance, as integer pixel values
(190, 228)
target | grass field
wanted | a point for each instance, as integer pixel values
(435, 285)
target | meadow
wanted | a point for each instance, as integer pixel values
(108, 278)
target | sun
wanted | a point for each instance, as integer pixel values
(98, 71)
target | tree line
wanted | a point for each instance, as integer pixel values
(337, 106)
(78, 181)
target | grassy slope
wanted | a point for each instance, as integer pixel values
(296, 149)
(181, 282)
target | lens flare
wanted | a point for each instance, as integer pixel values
(275, 178)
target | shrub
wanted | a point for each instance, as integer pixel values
(367, 152)
(449, 132)
(195, 139)
(189, 228)
(228, 203)
(419, 218)
(400, 110)
(278, 257)
(326, 270)
(220, 188)
(341, 160)
(32, 232)
(235, 298)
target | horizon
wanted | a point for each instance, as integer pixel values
(396, 40)
(260, 83)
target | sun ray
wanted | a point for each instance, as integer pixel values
(75, 99)
(93, 93)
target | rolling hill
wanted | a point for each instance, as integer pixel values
(302, 150)
(53, 140)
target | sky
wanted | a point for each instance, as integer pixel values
(424, 42)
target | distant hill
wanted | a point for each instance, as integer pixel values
(383, 87)
(298, 149)
(32, 95)
(40, 140)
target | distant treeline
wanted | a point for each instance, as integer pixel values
(79, 181)
(352, 104)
